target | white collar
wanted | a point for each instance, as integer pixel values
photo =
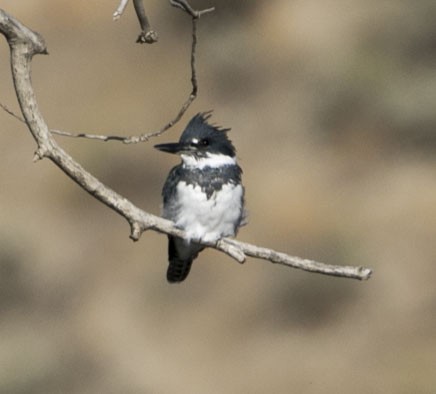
(213, 160)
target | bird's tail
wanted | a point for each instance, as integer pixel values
(178, 270)
(180, 256)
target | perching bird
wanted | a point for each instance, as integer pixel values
(203, 195)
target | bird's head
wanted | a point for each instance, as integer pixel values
(201, 139)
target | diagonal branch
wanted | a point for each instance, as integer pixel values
(24, 44)
(120, 10)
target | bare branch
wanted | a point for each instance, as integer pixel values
(120, 10)
(184, 5)
(10, 112)
(192, 96)
(24, 44)
(297, 262)
(148, 35)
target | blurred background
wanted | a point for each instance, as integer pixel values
(332, 105)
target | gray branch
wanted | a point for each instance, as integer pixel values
(192, 96)
(24, 44)
(147, 35)
(184, 5)
(120, 10)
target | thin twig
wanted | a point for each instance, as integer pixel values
(192, 96)
(54, 131)
(186, 104)
(120, 10)
(184, 5)
(147, 35)
(146, 136)
(25, 43)
(10, 112)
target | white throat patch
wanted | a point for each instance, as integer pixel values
(213, 160)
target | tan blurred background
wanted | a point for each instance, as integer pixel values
(332, 105)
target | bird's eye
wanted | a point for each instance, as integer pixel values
(204, 142)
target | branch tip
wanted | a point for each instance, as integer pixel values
(136, 231)
(40, 153)
(232, 250)
(206, 11)
(147, 37)
(365, 273)
(119, 11)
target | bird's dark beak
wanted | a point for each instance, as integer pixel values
(173, 147)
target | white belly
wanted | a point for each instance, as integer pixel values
(208, 219)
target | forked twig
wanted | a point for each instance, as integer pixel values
(192, 96)
(146, 136)
(184, 5)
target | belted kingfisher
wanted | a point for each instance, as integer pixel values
(203, 195)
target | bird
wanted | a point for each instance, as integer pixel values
(203, 195)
